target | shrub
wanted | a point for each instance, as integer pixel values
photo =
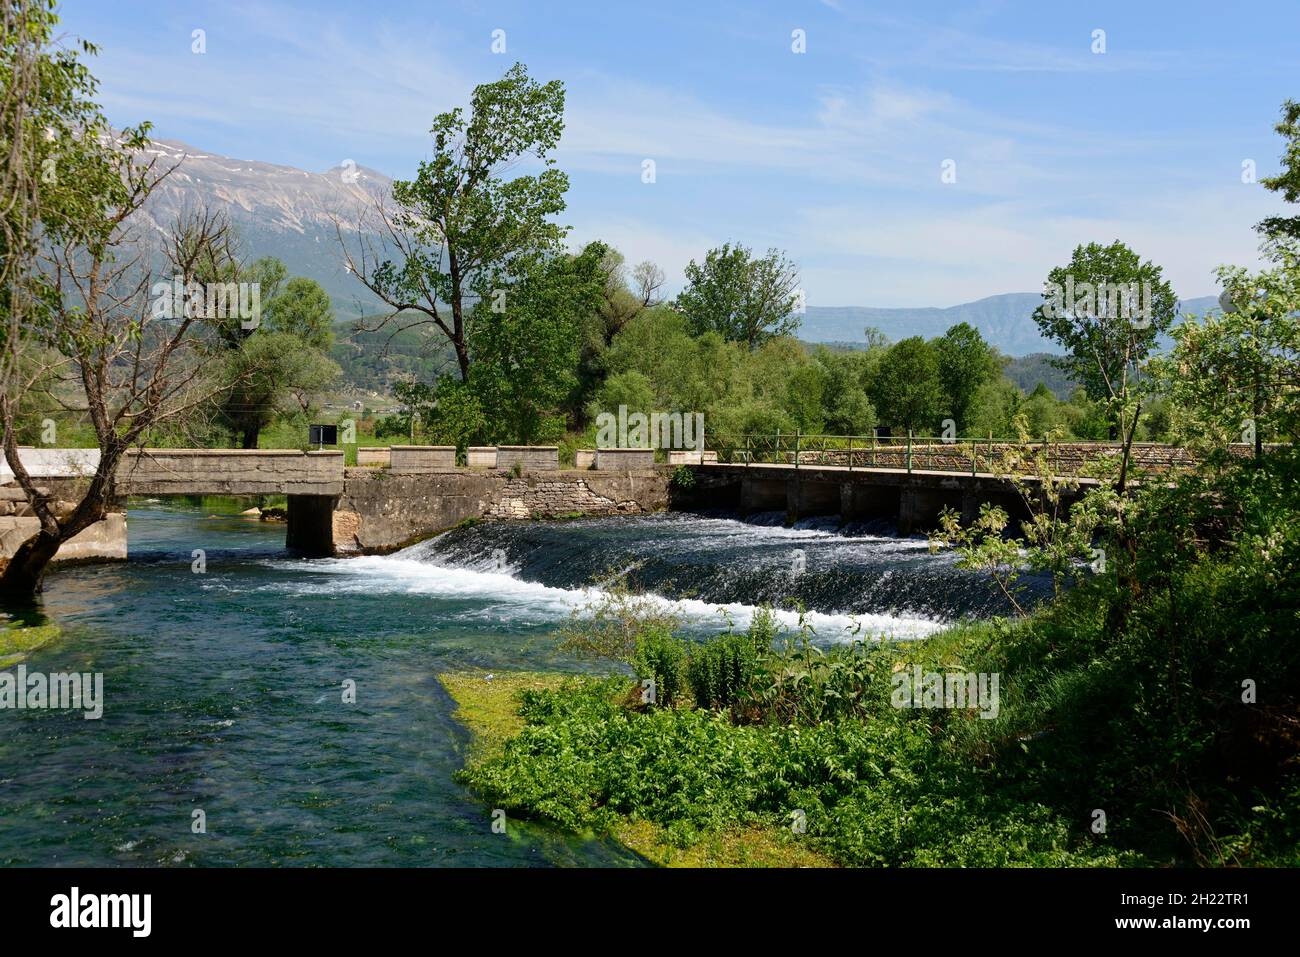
(660, 656)
(721, 671)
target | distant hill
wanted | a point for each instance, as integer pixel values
(1028, 371)
(1004, 321)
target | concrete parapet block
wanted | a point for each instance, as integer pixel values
(584, 458)
(481, 456)
(687, 458)
(530, 458)
(381, 457)
(422, 458)
(608, 459)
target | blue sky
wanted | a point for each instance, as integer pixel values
(834, 155)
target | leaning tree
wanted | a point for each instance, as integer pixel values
(79, 318)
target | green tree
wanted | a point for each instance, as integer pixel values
(1235, 376)
(632, 389)
(625, 298)
(804, 391)
(1106, 307)
(994, 409)
(907, 391)
(456, 417)
(459, 222)
(966, 362)
(845, 406)
(278, 366)
(740, 297)
(526, 354)
(1287, 182)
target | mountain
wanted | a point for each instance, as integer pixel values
(277, 210)
(1002, 320)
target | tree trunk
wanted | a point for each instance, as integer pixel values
(24, 576)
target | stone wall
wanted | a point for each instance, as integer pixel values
(380, 511)
(561, 493)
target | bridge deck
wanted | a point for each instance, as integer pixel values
(231, 472)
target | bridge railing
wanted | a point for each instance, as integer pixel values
(930, 453)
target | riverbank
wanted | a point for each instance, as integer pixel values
(1049, 741)
(488, 704)
(816, 779)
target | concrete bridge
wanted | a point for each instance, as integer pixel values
(333, 509)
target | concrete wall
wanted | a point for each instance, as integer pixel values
(374, 456)
(625, 458)
(584, 458)
(380, 511)
(46, 463)
(532, 458)
(230, 472)
(423, 458)
(104, 540)
(481, 456)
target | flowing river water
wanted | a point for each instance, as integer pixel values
(222, 689)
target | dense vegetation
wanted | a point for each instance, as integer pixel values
(1172, 712)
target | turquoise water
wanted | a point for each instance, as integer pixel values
(223, 689)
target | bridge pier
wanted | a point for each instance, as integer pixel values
(919, 506)
(763, 495)
(311, 524)
(863, 502)
(807, 499)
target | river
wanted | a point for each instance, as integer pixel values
(223, 688)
